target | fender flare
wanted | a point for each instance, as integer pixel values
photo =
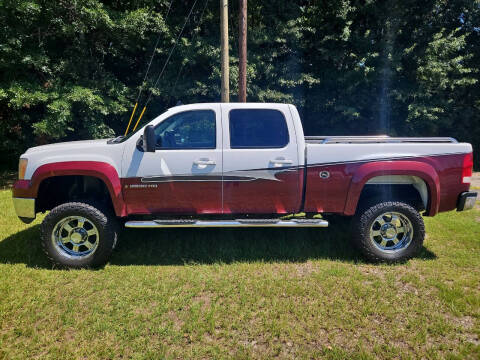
(370, 170)
(101, 170)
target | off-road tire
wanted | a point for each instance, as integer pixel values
(105, 222)
(364, 219)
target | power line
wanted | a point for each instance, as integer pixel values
(171, 52)
(164, 66)
(153, 52)
(194, 38)
(148, 69)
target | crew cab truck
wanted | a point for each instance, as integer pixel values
(239, 165)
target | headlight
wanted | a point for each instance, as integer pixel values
(22, 167)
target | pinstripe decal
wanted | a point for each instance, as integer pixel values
(267, 173)
(381, 159)
(242, 175)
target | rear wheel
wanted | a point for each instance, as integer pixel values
(79, 235)
(389, 231)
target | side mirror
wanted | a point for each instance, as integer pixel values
(149, 141)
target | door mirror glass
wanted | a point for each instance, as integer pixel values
(149, 140)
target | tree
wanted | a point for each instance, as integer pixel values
(72, 69)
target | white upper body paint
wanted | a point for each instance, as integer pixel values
(130, 161)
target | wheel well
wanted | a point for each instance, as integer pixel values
(409, 189)
(58, 190)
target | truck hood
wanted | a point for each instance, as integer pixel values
(86, 150)
(69, 145)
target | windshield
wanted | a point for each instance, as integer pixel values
(122, 138)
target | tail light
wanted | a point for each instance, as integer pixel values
(22, 168)
(467, 168)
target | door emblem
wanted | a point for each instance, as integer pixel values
(324, 174)
(140, 186)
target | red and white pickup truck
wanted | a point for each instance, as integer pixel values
(236, 165)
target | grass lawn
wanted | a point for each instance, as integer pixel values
(287, 293)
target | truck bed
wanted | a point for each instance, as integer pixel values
(336, 163)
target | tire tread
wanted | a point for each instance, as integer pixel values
(108, 230)
(361, 223)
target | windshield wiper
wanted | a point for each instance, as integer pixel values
(116, 140)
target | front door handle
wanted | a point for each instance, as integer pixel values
(204, 162)
(281, 161)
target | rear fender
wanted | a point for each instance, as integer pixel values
(413, 168)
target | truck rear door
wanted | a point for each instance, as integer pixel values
(260, 160)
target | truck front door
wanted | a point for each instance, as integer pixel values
(260, 160)
(184, 174)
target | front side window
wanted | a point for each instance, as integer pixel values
(187, 130)
(257, 128)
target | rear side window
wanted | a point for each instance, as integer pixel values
(257, 128)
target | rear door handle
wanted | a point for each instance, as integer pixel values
(204, 162)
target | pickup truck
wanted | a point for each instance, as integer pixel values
(239, 165)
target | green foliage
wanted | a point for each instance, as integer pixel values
(72, 69)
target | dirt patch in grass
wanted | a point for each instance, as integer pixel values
(305, 269)
(466, 322)
(146, 310)
(372, 270)
(204, 299)
(465, 326)
(406, 287)
(176, 321)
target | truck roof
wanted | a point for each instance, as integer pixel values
(236, 104)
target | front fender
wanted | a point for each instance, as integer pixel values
(413, 168)
(101, 170)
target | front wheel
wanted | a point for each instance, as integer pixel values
(79, 235)
(389, 231)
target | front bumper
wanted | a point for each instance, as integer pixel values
(466, 200)
(25, 208)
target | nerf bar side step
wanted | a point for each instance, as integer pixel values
(227, 223)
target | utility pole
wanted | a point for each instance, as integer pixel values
(224, 50)
(242, 48)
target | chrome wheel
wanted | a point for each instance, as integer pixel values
(391, 232)
(75, 237)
